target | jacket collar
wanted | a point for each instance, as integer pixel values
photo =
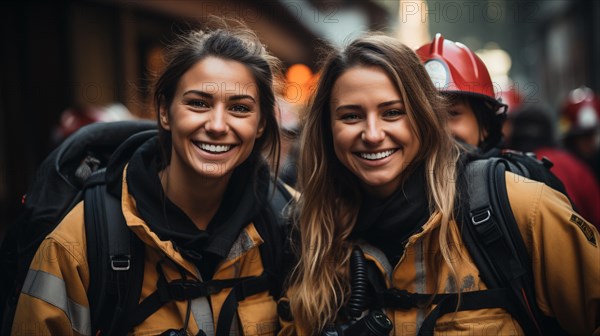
(247, 239)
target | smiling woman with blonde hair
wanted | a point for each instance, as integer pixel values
(380, 171)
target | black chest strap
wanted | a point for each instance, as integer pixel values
(447, 303)
(183, 290)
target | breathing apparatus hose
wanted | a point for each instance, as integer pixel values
(375, 322)
(359, 284)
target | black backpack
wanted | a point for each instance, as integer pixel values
(492, 237)
(491, 234)
(76, 171)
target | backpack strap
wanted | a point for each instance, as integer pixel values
(112, 275)
(271, 256)
(182, 290)
(447, 303)
(115, 279)
(238, 293)
(492, 236)
(279, 201)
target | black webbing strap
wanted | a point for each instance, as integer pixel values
(238, 293)
(96, 236)
(181, 290)
(401, 299)
(492, 245)
(485, 299)
(446, 303)
(105, 229)
(110, 274)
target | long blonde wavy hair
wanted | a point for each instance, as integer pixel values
(330, 198)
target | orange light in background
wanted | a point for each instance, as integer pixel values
(299, 79)
(299, 73)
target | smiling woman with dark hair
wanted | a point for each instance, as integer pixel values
(197, 196)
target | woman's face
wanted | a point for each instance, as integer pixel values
(371, 132)
(214, 118)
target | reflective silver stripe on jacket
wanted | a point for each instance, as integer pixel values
(203, 315)
(378, 255)
(52, 289)
(201, 309)
(420, 277)
(242, 244)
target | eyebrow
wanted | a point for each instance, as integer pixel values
(211, 96)
(358, 107)
(392, 102)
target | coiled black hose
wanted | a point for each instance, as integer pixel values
(359, 284)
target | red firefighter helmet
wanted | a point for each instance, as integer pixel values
(580, 112)
(454, 68)
(512, 97)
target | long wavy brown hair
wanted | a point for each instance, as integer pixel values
(330, 199)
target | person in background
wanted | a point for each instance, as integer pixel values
(197, 197)
(476, 116)
(580, 124)
(381, 175)
(534, 131)
(289, 127)
(514, 101)
(76, 117)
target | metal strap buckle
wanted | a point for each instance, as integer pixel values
(120, 262)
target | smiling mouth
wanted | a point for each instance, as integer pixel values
(376, 155)
(213, 149)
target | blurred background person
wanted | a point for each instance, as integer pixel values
(476, 116)
(76, 117)
(513, 98)
(580, 123)
(289, 129)
(534, 131)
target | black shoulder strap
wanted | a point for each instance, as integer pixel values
(274, 235)
(271, 256)
(112, 274)
(240, 287)
(492, 236)
(279, 201)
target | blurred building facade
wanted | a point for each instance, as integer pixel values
(66, 53)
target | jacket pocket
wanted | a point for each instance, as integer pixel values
(258, 316)
(478, 322)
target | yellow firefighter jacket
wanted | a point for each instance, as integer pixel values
(565, 259)
(54, 301)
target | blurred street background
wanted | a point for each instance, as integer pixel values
(62, 61)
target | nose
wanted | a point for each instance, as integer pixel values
(373, 132)
(217, 121)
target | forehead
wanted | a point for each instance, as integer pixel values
(363, 82)
(217, 75)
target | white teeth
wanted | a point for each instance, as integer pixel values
(377, 156)
(215, 148)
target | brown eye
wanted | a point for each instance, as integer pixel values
(196, 103)
(394, 113)
(453, 113)
(350, 117)
(240, 108)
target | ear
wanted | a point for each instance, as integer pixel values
(483, 135)
(164, 119)
(261, 128)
